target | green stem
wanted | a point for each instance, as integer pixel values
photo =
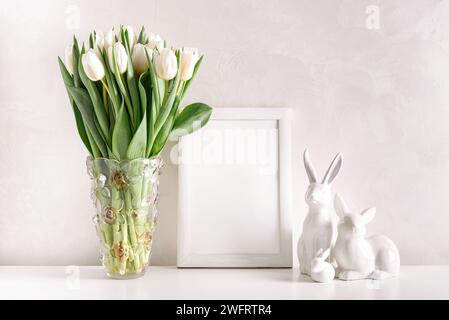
(132, 231)
(107, 234)
(154, 81)
(128, 103)
(165, 92)
(105, 101)
(116, 242)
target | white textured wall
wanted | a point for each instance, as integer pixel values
(380, 96)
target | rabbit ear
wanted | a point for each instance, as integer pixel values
(340, 206)
(368, 214)
(326, 253)
(333, 169)
(319, 253)
(309, 167)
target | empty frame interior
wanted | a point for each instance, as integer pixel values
(229, 209)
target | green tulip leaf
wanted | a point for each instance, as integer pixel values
(192, 118)
(161, 89)
(81, 127)
(92, 40)
(99, 130)
(97, 102)
(95, 151)
(68, 81)
(164, 133)
(84, 104)
(112, 116)
(154, 81)
(113, 92)
(145, 91)
(131, 80)
(111, 155)
(151, 116)
(142, 38)
(66, 76)
(121, 86)
(167, 107)
(138, 144)
(121, 136)
(76, 58)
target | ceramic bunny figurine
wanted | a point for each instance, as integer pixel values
(319, 228)
(321, 270)
(360, 257)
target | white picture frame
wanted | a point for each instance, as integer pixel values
(232, 212)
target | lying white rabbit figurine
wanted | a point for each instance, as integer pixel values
(319, 228)
(321, 270)
(357, 256)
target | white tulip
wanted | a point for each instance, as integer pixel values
(99, 39)
(189, 57)
(149, 50)
(139, 57)
(109, 39)
(92, 65)
(68, 58)
(121, 57)
(166, 64)
(155, 41)
(99, 42)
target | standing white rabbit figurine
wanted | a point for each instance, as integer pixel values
(319, 228)
(360, 257)
(321, 270)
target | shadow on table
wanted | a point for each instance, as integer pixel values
(304, 278)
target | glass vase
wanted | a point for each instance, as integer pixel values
(125, 195)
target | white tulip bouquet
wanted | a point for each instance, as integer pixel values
(125, 92)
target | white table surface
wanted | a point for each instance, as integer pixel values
(414, 282)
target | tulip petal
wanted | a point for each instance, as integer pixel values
(188, 82)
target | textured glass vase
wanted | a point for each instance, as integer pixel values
(125, 195)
